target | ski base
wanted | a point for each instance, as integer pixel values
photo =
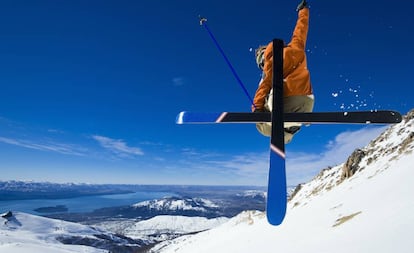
(276, 189)
(356, 117)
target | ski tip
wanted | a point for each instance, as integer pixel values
(179, 118)
(275, 220)
(397, 115)
(391, 117)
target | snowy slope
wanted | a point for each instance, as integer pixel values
(370, 211)
(166, 224)
(160, 228)
(21, 232)
(34, 234)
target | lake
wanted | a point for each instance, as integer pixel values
(81, 204)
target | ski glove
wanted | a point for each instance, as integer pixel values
(302, 5)
(259, 110)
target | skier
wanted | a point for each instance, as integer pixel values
(298, 96)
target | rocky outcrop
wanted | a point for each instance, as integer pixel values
(7, 215)
(399, 139)
(410, 115)
(391, 145)
(352, 164)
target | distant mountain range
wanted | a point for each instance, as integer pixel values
(20, 190)
(218, 205)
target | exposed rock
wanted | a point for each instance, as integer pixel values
(297, 189)
(406, 143)
(410, 115)
(7, 215)
(344, 219)
(352, 164)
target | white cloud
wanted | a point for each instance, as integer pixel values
(117, 146)
(253, 168)
(303, 166)
(193, 166)
(345, 143)
(66, 149)
(178, 81)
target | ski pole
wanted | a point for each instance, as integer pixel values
(203, 23)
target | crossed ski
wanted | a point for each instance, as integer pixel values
(276, 193)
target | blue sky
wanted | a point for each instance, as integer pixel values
(89, 90)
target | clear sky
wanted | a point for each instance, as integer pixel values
(89, 90)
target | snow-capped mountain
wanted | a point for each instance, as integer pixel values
(20, 232)
(179, 206)
(363, 205)
(160, 228)
(175, 204)
(253, 194)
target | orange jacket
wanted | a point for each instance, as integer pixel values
(295, 72)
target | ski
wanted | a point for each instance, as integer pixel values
(276, 188)
(354, 117)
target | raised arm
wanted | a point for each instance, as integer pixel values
(300, 32)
